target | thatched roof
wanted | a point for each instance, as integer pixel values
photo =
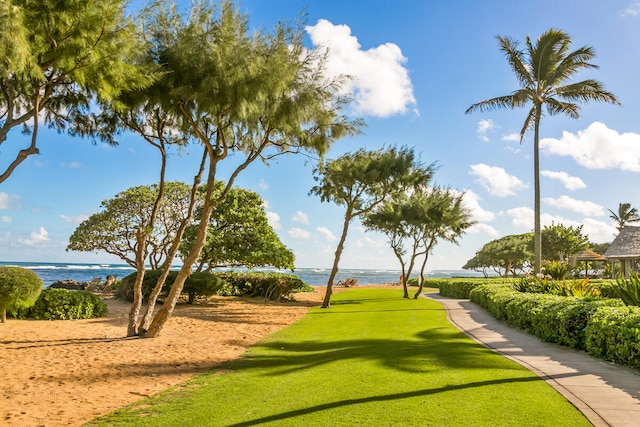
(586, 255)
(625, 245)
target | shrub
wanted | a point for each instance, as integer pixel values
(628, 290)
(62, 304)
(274, 286)
(579, 288)
(460, 287)
(532, 284)
(613, 334)
(198, 284)
(555, 269)
(19, 288)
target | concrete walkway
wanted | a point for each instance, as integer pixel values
(607, 394)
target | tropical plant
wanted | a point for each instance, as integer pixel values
(626, 213)
(362, 181)
(560, 242)
(543, 70)
(579, 288)
(628, 290)
(555, 269)
(19, 288)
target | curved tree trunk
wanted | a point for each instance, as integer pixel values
(134, 313)
(326, 302)
(537, 232)
(423, 266)
(165, 312)
(166, 268)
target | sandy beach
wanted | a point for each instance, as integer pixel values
(65, 373)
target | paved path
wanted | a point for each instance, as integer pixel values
(607, 394)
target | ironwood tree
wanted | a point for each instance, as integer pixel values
(363, 180)
(59, 60)
(242, 97)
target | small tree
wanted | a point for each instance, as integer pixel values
(560, 242)
(414, 223)
(505, 255)
(363, 180)
(19, 288)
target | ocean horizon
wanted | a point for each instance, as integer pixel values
(51, 272)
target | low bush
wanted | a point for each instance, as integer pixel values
(613, 333)
(62, 304)
(552, 318)
(460, 287)
(274, 286)
(555, 269)
(534, 285)
(579, 288)
(199, 284)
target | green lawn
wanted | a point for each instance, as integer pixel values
(372, 359)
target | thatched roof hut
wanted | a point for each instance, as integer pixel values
(586, 255)
(625, 248)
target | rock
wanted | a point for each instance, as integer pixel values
(71, 285)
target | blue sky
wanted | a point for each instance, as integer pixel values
(417, 66)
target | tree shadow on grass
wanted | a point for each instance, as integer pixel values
(378, 398)
(430, 349)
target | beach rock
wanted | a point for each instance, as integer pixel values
(71, 285)
(108, 287)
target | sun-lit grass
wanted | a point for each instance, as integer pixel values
(372, 359)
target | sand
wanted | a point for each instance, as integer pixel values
(67, 372)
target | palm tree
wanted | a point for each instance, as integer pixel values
(543, 70)
(625, 214)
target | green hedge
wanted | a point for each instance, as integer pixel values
(614, 334)
(62, 304)
(460, 287)
(197, 285)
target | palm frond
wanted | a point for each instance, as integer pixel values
(555, 106)
(492, 104)
(517, 60)
(528, 123)
(586, 90)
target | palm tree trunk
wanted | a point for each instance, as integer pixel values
(537, 232)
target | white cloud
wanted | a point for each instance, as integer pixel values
(632, 10)
(599, 231)
(522, 217)
(300, 217)
(263, 184)
(274, 220)
(569, 182)
(327, 233)
(8, 201)
(379, 84)
(484, 126)
(597, 147)
(73, 219)
(496, 180)
(36, 237)
(582, 207)
(299, 233)
(512, 137)
(471, 202)
(5, 219)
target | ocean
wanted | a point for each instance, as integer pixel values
(53, 272)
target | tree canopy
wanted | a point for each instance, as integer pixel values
(239, 235)
(57, 59)
(19, 288)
